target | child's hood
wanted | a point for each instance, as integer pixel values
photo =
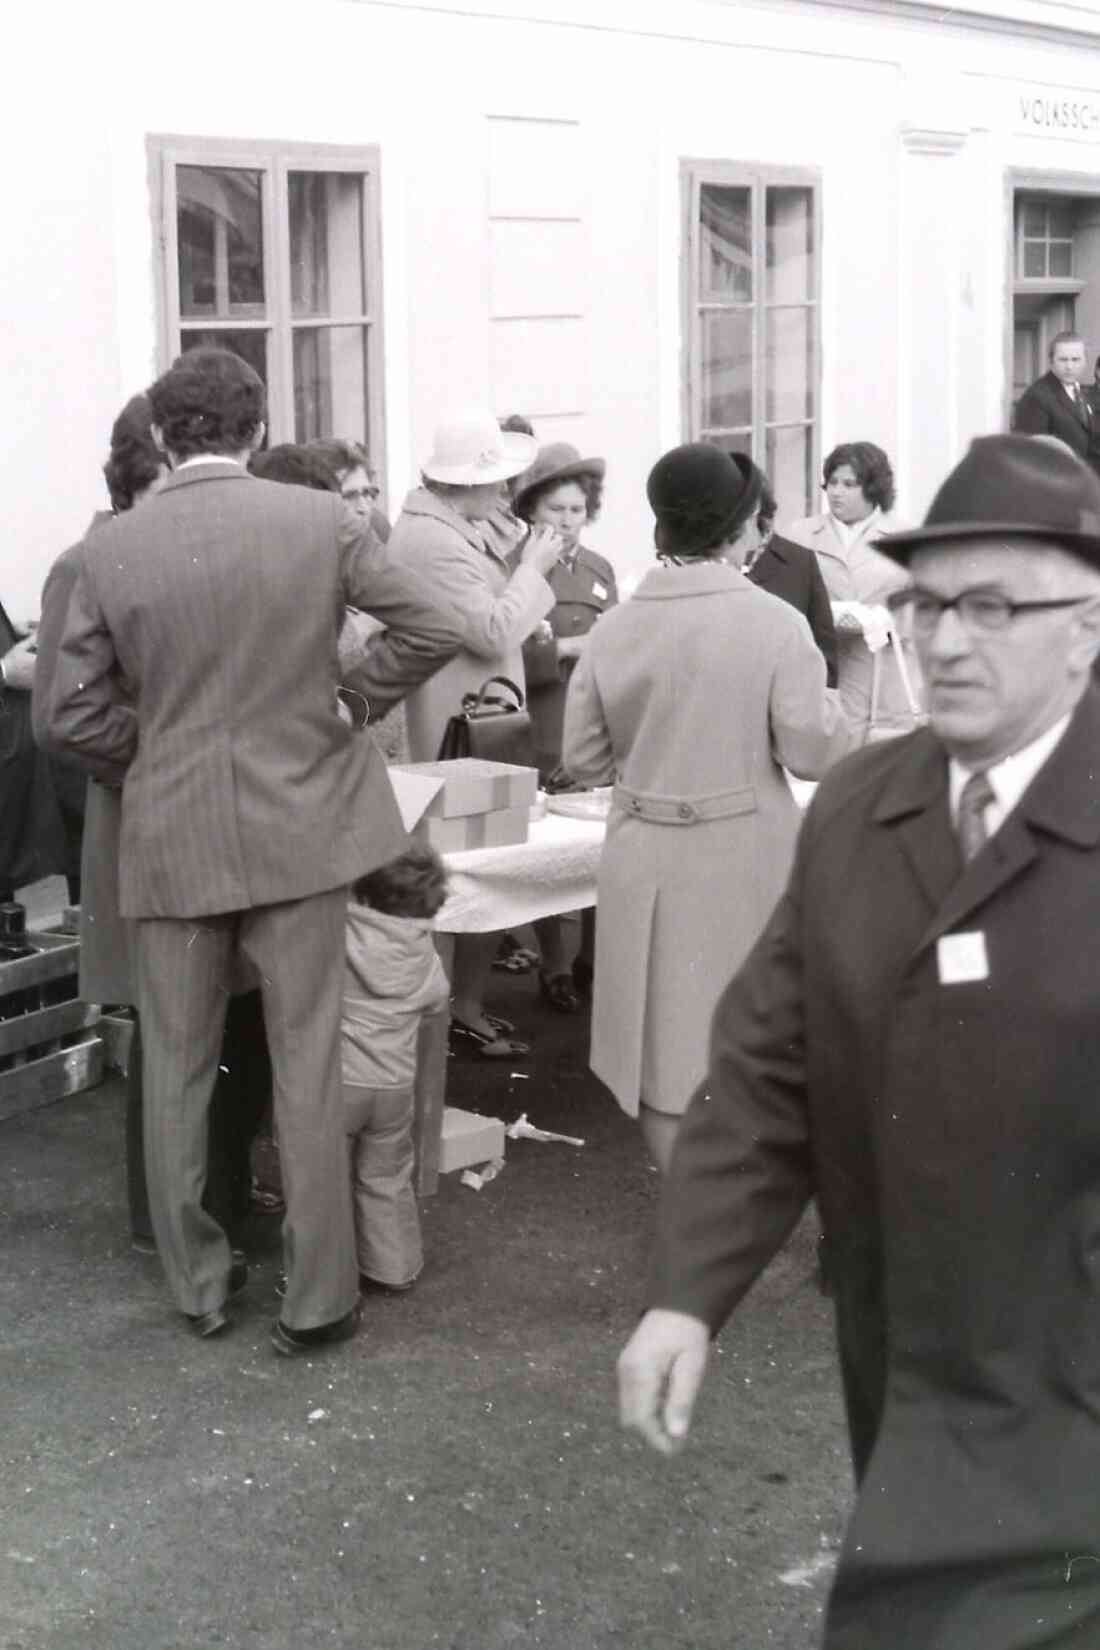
(387, 956)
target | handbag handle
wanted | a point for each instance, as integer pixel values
(473, 702)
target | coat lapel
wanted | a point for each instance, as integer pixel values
(914, 805)
(1063, 800)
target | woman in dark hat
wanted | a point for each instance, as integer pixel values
(563, 491)
(691, 698)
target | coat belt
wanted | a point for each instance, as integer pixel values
(684, 810)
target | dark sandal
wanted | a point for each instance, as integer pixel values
(559, 992)
(497, 1047)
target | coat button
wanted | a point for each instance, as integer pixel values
(685, 811)
(636, 805)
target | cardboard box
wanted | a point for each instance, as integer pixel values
(493, 830)
(470, 786)
(468, 1139)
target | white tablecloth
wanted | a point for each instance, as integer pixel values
(495, 888)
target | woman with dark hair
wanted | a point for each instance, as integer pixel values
(564, 491)
(355, 480)
(690, 699)
(878, 694)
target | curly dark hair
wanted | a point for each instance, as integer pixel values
(871, 468)
(590, 485)
(133, 463)
(340, 456)
(412, 885)
(209, 401)
(298, 465)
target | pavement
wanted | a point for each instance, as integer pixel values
(454, 1477)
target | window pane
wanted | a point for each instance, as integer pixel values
(725, 243)
(789, 243)
(1061, 258)
(1060, 222)
(726, 368)
(1035, 219)
(250, 345)
(1035, 258)
(327, 263)
(730, 441)
(787, 460)
(330, 382)
(219, 226)
(789, 364)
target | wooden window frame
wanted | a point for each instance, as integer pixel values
(275, 160)
(757, 177)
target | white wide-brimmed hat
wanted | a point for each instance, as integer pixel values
(472, 450)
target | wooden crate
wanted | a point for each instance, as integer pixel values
(49, 1051)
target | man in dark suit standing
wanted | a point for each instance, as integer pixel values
(248, 805)
(915, 1041)
(1058, 403)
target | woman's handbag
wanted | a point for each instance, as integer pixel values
(491, 726)
(875, 729)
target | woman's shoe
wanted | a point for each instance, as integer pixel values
(559, 992)
(496, 1046)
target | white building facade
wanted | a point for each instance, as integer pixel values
(777, 224)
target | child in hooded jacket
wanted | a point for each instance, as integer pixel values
(393, 977)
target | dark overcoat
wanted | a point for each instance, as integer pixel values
(1046, 409)
(951, 1133)
(790, 571)
(582, 594)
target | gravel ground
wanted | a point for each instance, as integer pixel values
(455, 1477)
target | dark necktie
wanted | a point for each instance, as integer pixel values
(1080, 406)
(975, 797)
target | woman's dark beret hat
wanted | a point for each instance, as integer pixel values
(701, 496)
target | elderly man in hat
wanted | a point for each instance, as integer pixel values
(915, 1041)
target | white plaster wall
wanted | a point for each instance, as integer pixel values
(649, 84)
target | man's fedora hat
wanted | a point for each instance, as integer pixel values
(700, 496)
(554, 463)
(1011, 486)
(471, 450)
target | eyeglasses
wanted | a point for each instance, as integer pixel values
(351, 494)
(983, 611)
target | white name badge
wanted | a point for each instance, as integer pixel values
(962, 959)
(599, 591)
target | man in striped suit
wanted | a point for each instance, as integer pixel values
(198, 666)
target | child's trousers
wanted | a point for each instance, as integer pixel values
(380, 1150)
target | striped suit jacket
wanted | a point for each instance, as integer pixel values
(197, 662)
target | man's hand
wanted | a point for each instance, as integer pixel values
(19, 665)
(660, 1372)
(542, 549)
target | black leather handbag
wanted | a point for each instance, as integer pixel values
(492, 725)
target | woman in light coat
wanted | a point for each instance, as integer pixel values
(859, 490)
(442, 532)
(690, 698)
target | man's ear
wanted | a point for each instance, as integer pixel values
(157, 434)
(1086, 644)
(257, 438)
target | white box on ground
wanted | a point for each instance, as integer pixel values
(468, 1139)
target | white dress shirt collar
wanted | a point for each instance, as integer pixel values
(1009, 778)
(207, 458)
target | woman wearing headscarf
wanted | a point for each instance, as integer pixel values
(442, 533)
(690, 699)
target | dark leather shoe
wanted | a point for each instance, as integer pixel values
(296, 1343)
(205, 1324)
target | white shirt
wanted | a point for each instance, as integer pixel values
(851, 534)
(1009, 778)
(207, 458)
